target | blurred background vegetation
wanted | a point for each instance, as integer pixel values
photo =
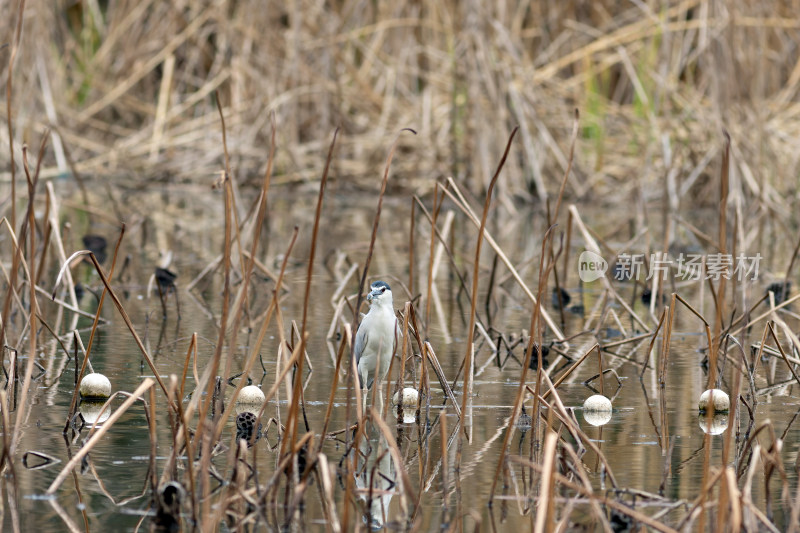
(127, 86)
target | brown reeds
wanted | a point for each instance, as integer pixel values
(134, 97)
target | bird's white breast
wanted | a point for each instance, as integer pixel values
(380, 322)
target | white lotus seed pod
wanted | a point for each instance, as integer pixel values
(597, 403)
(95, 386)
(597, 410)
(250, 398)
(410, 397)
(721, 401)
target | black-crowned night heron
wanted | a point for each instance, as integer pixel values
(377, 336)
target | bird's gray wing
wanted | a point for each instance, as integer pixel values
(361, 341)
(358, 349)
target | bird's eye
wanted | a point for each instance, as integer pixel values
(383, 289)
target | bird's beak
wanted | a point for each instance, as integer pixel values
(370, 297)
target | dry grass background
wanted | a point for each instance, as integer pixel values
(128, 86)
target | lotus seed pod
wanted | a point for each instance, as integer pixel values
(95, 386)
(597, 410)
(250, 398)
(721, 401)
(597, 404)
(410, 397)
(246, 426)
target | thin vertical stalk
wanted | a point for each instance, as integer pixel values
(431, 253)
(33, 312)
(298, 377)
(92, 333)
(11, 60)
(206, 436)
(475, 270)
(543, 275)
(411, 266)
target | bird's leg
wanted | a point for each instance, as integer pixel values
(364, 395)
(380, 400)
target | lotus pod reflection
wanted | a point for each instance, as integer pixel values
(90, 411)
(714, 425)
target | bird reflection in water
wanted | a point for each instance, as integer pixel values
(375, 476)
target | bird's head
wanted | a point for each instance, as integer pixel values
(380, 292)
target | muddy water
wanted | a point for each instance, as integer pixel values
(653, 442)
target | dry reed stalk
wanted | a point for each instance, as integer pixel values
(241, 301)
(152, 467)
(375, 224)
(297, 393)
(6, 460)
(437, 369)
(662, 364)
(764, 315)
(424, 381)
(466, 388)
(64, 516)
(401, 380)
(411, 245)
(432, 219)
(721, 293)
(187, 443)
(93, 331)
(445, 482)
(569, 371)
(181, 439)
(580, 469)
(544, 272)
(544, 513)
(552, 219)
(33, 303)
(329, 505)
(206, 436)
(11, 60)
(617, 506)
(653, 337)
(434, 261)
(780, 348)
(462, 204)
(192, 349)
(45, 240)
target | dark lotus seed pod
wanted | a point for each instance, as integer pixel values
(245, 425)
(780, 289)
